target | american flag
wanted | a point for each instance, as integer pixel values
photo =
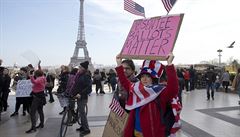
(141, 95)
(115, 107)
(134, 8)
(168, 4)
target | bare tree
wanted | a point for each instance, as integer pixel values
(230, 60)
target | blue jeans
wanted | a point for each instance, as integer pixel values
(210, 86)
(82, 105)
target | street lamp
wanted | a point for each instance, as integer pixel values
(219, 55)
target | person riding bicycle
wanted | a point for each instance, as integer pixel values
(82, 86)
(67, 93)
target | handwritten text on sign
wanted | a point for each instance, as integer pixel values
(154, 37)
(24, 88)
(115, 125)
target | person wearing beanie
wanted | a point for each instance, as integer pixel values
(82, 86)
(84, 65)
(144, 116)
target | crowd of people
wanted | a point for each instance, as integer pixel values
(166, 83)
(31, 86)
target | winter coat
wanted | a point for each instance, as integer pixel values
(150, 120)
(62, 82)
(82, 85)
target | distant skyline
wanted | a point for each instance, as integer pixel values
(48, 29)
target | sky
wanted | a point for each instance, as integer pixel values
(47, 30)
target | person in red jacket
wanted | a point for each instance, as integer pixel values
(144, 117)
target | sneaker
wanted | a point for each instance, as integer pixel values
(80, 129)
(73, 121)
(14, 114)
(60, 113)
(238, 102)
(24, 113)
(40, 126)
(84, 132)
(51, 101)
(102, 92)
(31, 130)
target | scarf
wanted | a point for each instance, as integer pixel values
(176, 108)
(140, 95)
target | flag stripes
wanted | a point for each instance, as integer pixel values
(168, 4)
(140, 95)
(116, 107)
(176, 108)
(134, 8)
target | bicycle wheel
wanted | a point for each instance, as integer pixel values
(64, 124)
(78, 114)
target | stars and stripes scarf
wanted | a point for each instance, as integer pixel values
(140, 95)
(176, 108)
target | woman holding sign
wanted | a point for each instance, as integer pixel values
(23, 90)
(144, 117)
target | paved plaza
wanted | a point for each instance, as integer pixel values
(200, 118)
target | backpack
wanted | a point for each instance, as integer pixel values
(167, 118)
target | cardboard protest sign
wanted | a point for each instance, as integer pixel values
(115, 125)
(24, 88)
(152, 38)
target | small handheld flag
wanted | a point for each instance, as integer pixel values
(134, 8)
(168, 4)
(116, 107)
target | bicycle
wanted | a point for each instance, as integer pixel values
(70, 116)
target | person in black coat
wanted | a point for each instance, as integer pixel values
(5, 88)
(210, 78)
(1, 85)
(82, 87)
(181, 83)
(50, 85)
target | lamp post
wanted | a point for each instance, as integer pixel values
(219, 55)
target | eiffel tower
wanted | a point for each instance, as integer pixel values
(81, 43)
